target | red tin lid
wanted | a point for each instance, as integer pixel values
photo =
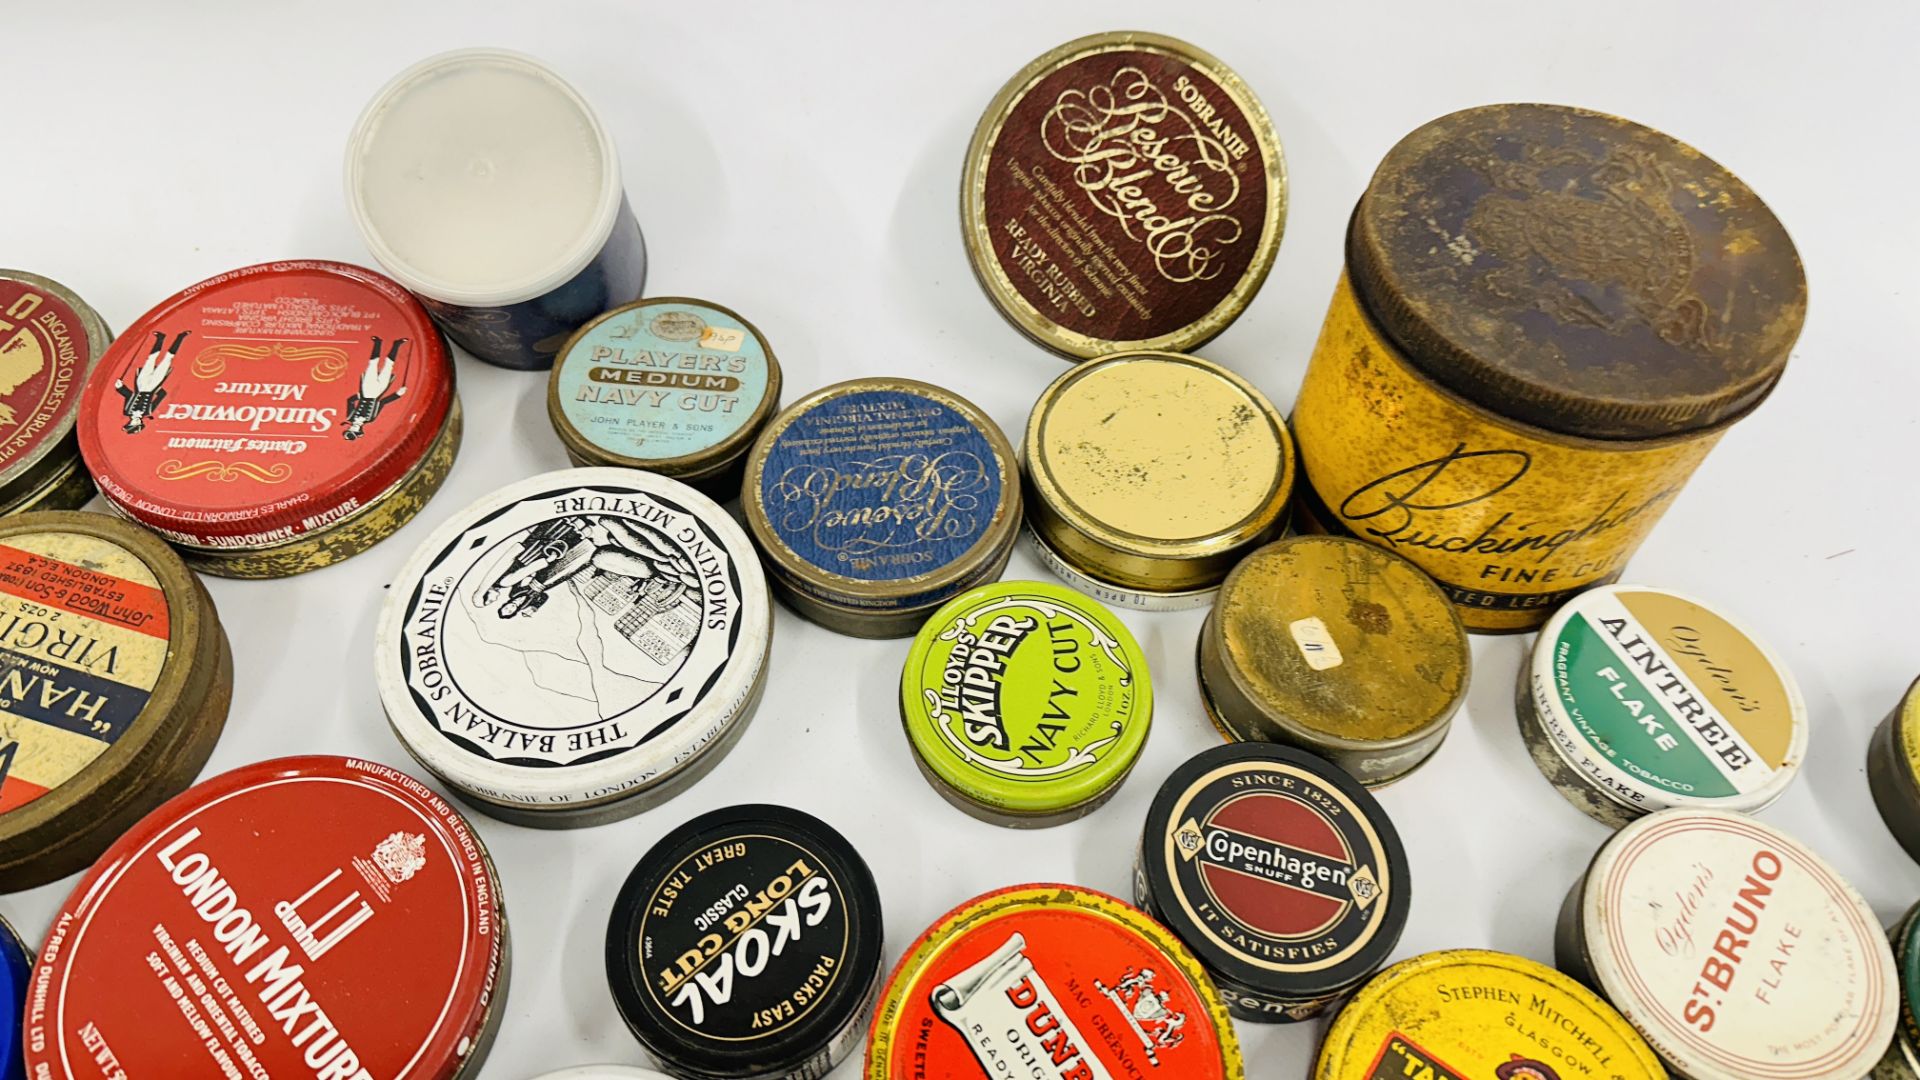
(274, 920)
(266, 403)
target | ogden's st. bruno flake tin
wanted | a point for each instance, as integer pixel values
(310, 916)
(49, 341)
(1893, 770)
(1154, 473)
(1637, 699)
(747, 945)
(1548, 318)
(1123, 191)
(1279, 871)
(115, 677)
(1025, 703)
(877, 500)
(1339, 647)
(16, 967)
(1902, 1059)
(1738, 953)
(576, 646)
(1050, 977)
(275, 418)
(1469, 1014)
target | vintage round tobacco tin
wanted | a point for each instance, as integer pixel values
(1638, 699)
(576, 646)
(49, 341)
(1026, 703)
(16, 965)
(1893, 770)
(747, 944)
(1051, 974)
(1155, 473)
(1736, 952)
(876, 500)
(115, 677)
(603, 1072)
(1123, 191)
(1338, 647)
(1279, 871)
(311, 916)
(1902, 1059)
(1469, 1014)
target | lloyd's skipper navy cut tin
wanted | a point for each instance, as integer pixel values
(49, 342)
(16, 967)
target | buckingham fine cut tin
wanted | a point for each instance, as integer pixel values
(1736, 951)
(1548, 318)
(49, 342)
(1637, 699)
(1026, 704)
(747, 945)
(1152, 474)
(877, 500)
(1338, 647)
(1902, 1059)
(484, 183)
(1279, 871)
(1893, 770)
(274, 419)
(115, 677)
(1055, 980)
(1123, 191)
(576, 646)
(16, 966)
(676, 386)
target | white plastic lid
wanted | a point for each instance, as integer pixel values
(480, 178)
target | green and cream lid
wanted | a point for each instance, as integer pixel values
(1661, 701)
(1026, 697)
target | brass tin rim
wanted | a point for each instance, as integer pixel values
(1890, 776)
(878, 623)
(1118, 595)
(998, 286)
(68, 486)
(28, 470)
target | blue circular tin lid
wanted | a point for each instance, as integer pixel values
(16, 966)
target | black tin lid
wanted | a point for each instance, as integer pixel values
(744, 943)
(1277, 869)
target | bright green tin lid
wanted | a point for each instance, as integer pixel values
(1026, 698)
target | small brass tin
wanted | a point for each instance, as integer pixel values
(1893, 770)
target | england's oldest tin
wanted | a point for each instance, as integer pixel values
(1893, 770)
(1549, 316)
(49, 341)
(576, 646)
(1123, 191)
(16, 965)
(746, 945)
(1737, 952)
(1052, 974)
(1336, 646)
(311, 916)
(1026, 704)
(485, 184)
(1902, 1059)
(1638, 699)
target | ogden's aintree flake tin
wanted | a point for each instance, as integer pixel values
(1737, 952)
(1902, 1059)
(1893, 770)
(1125, 190)
(1638, 699)
(746, 945)
(1058, 982)
(1279, 871)
(576, 646)
(16, 965)
(1026, 703)
(49, 341)
(311, 916)
(876, 500)
(1468, 1014)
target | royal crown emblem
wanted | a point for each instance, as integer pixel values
(1145, 1010)
(400, 856)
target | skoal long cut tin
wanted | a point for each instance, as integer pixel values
(49, 342)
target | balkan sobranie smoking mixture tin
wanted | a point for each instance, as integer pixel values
(16, 967)
(576, 646)
(1893, 770)
(49, 341)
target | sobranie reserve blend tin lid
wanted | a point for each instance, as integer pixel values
(573, 638)
(300, 916)
(266, 404)
(16, 965)
(1056, 974)
(1738, 953)
(1123, 191)
(1026, 699)
(747, 943)
(49, 341)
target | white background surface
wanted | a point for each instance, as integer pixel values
(800, 164)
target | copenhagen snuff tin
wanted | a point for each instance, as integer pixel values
(1736, 951)
(1025, 703)
(115, 677)
(747, 945)
(1338, 647)
(16, 968)
(1123, 191)
(49, 342)
(576, 646)
(309, 916)
(1279, 871)
(1893, 770)
(1902, 1059)
(1637, 699)
(1057, 980)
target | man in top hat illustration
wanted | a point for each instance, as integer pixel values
(148, 390)
(364, 407)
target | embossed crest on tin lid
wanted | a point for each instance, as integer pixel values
(1577, 271)
(16, 965)
(1123, 191)
(49, 340)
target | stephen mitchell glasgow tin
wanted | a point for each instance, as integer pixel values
(49, 342)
